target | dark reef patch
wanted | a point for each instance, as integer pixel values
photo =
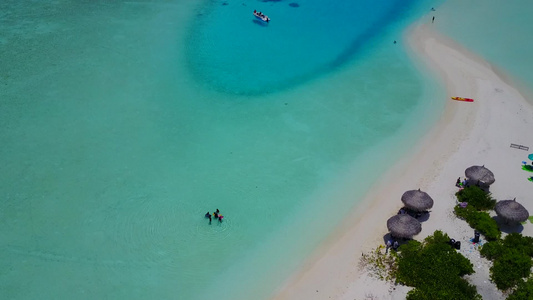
(294, 4)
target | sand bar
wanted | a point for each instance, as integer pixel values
(478, 133)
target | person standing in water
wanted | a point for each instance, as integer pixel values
(433, 20)
(208, 215)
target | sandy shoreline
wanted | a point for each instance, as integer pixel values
(478, 133)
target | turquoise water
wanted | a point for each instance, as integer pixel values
(499, 32)
(300, 44)
(123, 123)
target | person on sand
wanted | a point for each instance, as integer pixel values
(458, 183)
(387, 246)
(433, 20)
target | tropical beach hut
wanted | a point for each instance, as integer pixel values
(480, 174)
(511, 211)
(403, 226)
(417, 200)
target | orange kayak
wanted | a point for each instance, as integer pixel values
(463, 99)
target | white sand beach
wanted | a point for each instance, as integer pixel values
(478, 133)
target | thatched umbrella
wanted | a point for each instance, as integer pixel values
(403, 226)
(417, 200)
(510, 210)
(480, 174)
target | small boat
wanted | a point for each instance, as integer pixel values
(463, 99)
(261, 16)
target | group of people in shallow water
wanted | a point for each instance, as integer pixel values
(216, 215)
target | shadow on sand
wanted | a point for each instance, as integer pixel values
(508, 227)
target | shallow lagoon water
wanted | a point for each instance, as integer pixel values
(248, 56)
(115, 144)
(498, 31)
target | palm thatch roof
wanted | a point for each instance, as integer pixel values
(403, 226)
(480, 174)
(510, 210)
(417, 200)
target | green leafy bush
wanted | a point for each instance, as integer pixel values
(524, 290)
(435, 269)
(522, 244)
(493, 250)
(476, 197)
(512, 259)
(458, 289)
(513, 241)
(481, 221)
(509, 269)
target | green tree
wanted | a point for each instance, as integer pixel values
(524, 290)
(509, 269)
(435, 269)
(479, 220)
(476, 197)
(512, 259)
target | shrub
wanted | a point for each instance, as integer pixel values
(481, 221)
(509, 269)
(522, 244)
(476, 197)
(524, 291)
(512, 259)
(458, 289)
(492, 250)
(434, 268)
(379, 264)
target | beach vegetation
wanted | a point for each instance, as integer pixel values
(511, 260)
(379, 263)
(479, 220)
(435, 269)
(476, 197)
(523, 291)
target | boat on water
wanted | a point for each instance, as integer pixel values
(261, 16)
(463, 99)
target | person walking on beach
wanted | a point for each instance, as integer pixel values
(458, 183)
(433, 20)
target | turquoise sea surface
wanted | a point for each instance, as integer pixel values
(123, 122)
(499, 31)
